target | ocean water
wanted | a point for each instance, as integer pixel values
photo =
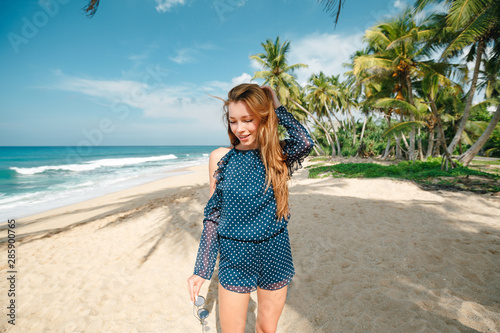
(36, 179)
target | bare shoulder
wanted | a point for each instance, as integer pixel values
(217, 154)
(215, 157)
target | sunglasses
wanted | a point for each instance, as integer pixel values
(201, 313)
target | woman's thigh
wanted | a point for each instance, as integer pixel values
(233, 308)
(270, 305)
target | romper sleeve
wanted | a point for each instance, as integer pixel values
(299, 144)
(209, 244)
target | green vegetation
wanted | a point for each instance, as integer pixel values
(319, 158)
(427, 174)
(496, 162)
(410, 102)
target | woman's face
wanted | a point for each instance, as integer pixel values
(244, 124)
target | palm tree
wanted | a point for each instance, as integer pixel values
(397, 50)
(474, 24)
(346, 100)
(430, 86)
(491, 84)
(320, 95)
(303, 117)
(276, 72)
(327, 134)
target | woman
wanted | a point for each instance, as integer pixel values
(247, 213)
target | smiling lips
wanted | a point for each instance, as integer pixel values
(243, 138)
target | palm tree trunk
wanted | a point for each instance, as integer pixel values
(466, 157)
(363, 128)
(316, 150)
(447, 155)
(436, 151)
(317, 145)
(420, 150)
(341, 123)
(399, 152)
(337, 141)
(398, 147)
(333, 129)
(328, 137)
(468, 104)
(353, 127)
(430, 145)
(387, 148)
(411, 150)
(405, 142)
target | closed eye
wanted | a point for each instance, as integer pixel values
(245, 121)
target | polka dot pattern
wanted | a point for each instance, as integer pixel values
(241, 222)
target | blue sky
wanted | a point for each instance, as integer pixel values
(139, 71)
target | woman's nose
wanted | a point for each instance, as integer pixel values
(240, 128)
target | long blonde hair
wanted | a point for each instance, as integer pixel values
(259, 102)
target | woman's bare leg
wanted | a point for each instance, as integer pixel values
(233, 308)
(270, 305)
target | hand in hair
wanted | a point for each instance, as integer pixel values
(276, 101)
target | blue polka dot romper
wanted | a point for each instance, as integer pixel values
(241, 222)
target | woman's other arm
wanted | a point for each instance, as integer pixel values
(209, 245)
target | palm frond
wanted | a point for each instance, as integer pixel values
(471, 33)
(421, 4)
(333, 6)
(394, 103)
(371, 62)
(466, 138)
(403, 127)
(463, 11)
(91, 7)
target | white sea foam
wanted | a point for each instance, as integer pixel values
(92, 165)
(81, 187)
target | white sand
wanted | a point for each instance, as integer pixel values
(371, 255)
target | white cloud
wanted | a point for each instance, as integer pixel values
(163, 6)
(221, 88)
(189, 54)
(184, 56)
(431, 9)
(400, 4)
(144, 54)
(323, 52)
(255, 65)
(186, 103)
(243, 78)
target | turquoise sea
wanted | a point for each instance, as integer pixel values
(36, 179)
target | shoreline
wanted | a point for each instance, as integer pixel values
(87, 210)
(37, 179)
(143, 179)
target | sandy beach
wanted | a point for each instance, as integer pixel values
(371, 255)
